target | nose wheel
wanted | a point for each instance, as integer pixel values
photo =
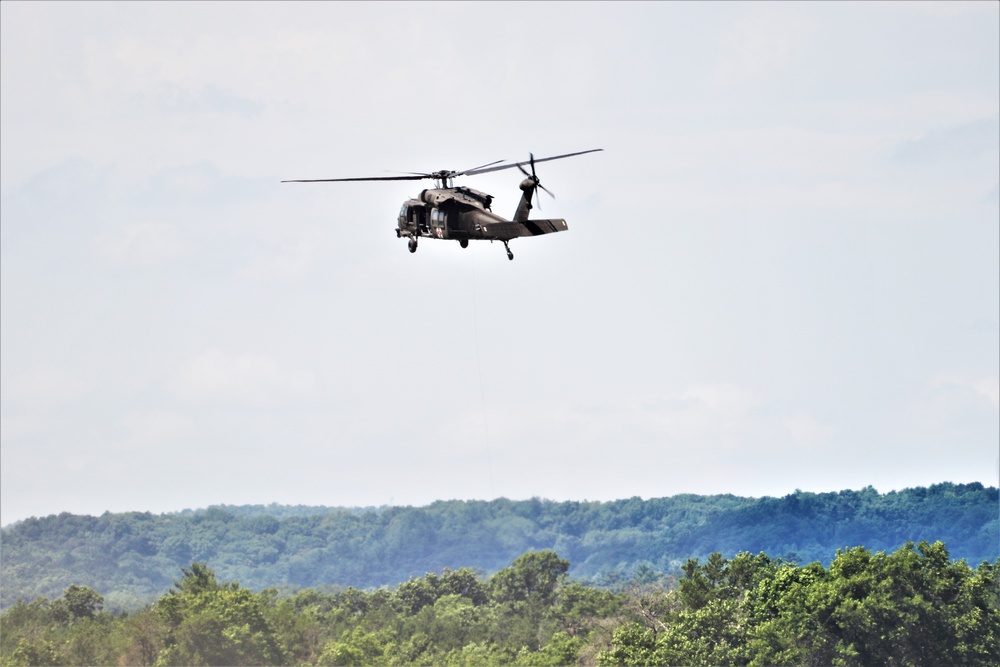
(412, 244)
(510, 255)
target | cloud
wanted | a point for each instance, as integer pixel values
(17, 427)
(169, 99)
(142, 244)
(965, 141)
(156, 426)
(44, 385)
(945, 9)
(712, 412)
(216, 376)
(948, 404)
(716, 415)
(990, 388)
(756, 47)
(56, 194)
(807, 431)
(198, 184)
(289, 261)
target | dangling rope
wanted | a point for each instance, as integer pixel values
(482, 387)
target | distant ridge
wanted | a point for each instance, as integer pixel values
(132, 557)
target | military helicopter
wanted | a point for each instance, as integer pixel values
(463, 214)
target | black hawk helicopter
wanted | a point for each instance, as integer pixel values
(464, 214)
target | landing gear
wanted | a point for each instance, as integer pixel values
(464, 243)
(510, 255)
(412, 244)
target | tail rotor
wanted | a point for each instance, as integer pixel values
(535, 183)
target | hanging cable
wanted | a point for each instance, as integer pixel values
(482, 387)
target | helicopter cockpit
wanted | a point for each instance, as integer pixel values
(413, 215)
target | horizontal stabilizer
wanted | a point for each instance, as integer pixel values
(536, 227)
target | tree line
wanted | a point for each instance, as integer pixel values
(131, 558)
(913, 606)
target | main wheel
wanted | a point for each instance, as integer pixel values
(464, 243)
(510, 255)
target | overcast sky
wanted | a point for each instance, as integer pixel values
(782, 273)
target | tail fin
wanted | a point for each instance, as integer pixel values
(524, 206)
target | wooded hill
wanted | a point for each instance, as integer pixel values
(131, 558)
(912, 607)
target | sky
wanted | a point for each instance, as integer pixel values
(781, 273)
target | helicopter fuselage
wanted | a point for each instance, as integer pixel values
(464, 214)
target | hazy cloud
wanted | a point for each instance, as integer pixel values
(142, 244)
(43, 385)
(16, 427)
(965, 141)
(807, 431)
(155, 427)
(286, 260)
(169, 98)
(216, 376)
(198, 184)
(757, 46)
(715, 412)
(990, 388)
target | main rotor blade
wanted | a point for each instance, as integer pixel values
(476, 169)
(375, 178)
(472, 172)
(449, 174)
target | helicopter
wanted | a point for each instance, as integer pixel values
(463, 214)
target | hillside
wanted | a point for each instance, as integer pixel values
(132, 557)
(913, 606)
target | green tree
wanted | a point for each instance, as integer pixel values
(34, 654)
(911, 607)
(358, 647)
(533, 576)
(216, 624)
(77, 603)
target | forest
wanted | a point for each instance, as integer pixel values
(913, 606)
(131, 559)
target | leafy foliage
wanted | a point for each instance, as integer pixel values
(131, 558)
(911, 607)
(914, 606)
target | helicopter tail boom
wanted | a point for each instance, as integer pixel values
(505, 231)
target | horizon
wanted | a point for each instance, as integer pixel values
(376, 508)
